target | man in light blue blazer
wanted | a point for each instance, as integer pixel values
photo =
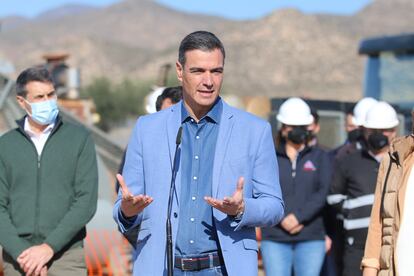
(227, 180)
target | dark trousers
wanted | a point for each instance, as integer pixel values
(329, 266)
(352, 260)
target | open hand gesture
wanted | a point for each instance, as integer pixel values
(230, 205)
(132, 205)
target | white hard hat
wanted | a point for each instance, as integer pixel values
(151, 99)
(295, 112)
(381, 116)
(361, 109)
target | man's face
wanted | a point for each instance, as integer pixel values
(37, 92)
(201, 78)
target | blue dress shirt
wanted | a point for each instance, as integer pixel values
(196, 230)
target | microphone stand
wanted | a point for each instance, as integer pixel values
(170, 200)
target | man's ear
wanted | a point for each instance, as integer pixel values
(21, 102)
(179, 68)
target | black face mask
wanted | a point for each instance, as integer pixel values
(354, 135)
(377, 141)
(298, 135)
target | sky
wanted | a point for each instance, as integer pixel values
(232, 9)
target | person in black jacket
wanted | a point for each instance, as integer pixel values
(298, 242)
(354, 182)
(354, 127)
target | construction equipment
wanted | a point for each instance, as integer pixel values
(389, 72)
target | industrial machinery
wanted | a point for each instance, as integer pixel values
(389, 72)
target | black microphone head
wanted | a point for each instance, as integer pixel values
(179, 134)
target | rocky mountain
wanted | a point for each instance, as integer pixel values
(285, 53)
(11, 22)
(63, 11)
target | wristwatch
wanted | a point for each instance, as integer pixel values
(238, 216)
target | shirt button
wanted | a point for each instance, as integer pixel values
(192, 219)
(175, 215)
(191, 241)
(193, 198)
(195, 177)
(196, 157)
(197, 137)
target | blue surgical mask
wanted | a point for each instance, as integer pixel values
(44, 112)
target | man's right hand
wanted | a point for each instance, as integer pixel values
(132, 205)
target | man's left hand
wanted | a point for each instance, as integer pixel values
(33, 259)
(231, 206)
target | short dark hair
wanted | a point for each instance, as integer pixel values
(40, 74)
(314, 113)
(199, 40)
(173, 93)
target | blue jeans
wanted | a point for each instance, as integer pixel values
(305, 257)
(215, 271)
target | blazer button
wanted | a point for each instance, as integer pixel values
(175, 214)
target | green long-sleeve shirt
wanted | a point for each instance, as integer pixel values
(47, 198)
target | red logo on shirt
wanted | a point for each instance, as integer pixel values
(309, 166)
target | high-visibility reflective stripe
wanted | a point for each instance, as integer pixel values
(335, 198)
(350, 224)
(359, 201)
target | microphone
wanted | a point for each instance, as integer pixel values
(170, 200)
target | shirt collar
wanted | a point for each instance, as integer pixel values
(31, 133)
(214, 114)
(377, 157)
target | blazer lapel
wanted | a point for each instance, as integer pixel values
(173, 123)
(225, 128)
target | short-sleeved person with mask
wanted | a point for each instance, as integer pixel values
(227, 179)
(48, 185)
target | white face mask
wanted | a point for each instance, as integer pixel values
(44, 112)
